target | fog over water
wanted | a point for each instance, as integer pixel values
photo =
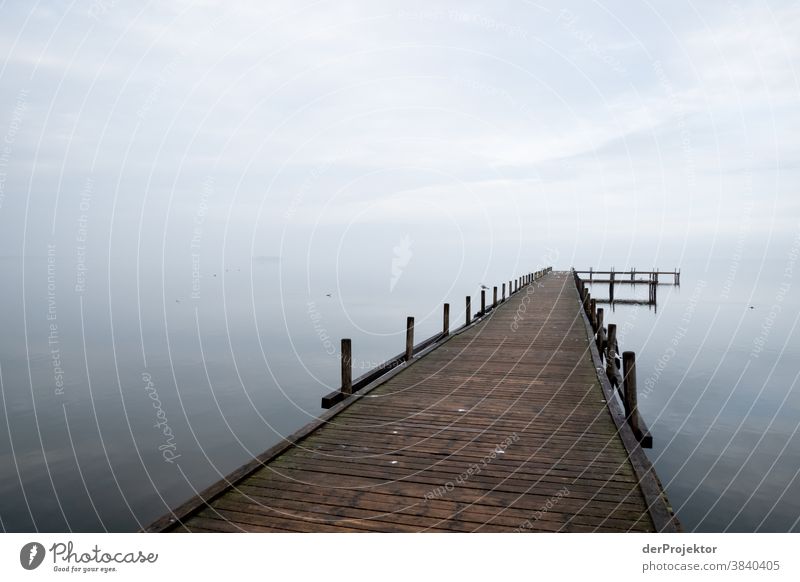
(198, 201)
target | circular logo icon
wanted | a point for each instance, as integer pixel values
(31, 555)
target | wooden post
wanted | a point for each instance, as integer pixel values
(591, 275)
(612, 337)
(409, 338)
(509, 288)
(631, 399)
(611, 290)
(655, 292)
(611, 343)
(600, 338)
(347, 367)
(483, 301)
(494, 299)
(446, 319)
(504, 291)
(468, 317)
(633, 273)
(593, 313)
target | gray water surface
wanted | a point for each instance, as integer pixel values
(143, 393)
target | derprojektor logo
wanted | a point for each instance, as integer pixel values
(31, 555)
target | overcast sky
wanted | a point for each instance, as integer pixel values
(610, 131)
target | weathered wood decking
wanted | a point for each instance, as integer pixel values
(504, 427)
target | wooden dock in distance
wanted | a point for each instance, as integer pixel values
(502, 426)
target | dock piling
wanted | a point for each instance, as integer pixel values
(611, 347)
(468, 316)
(409, 338)
(347, 367)
(630, 400)
(446, 319)
(600, 330)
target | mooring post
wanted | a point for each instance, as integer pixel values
(494, 299)
(504, 291)
(655, 292)
(593, 313)
(483, 301)
(630, 400)
(611, 343)
(468, 317)
(409, 338)
(611, 289)
(633, 274)
(600, 331)
(347, 367)
(586, 299)
(446, 319)
(509, 288)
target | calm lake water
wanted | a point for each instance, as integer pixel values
(122, 397)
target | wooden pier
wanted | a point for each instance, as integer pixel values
(508, 424)
(616, 278)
